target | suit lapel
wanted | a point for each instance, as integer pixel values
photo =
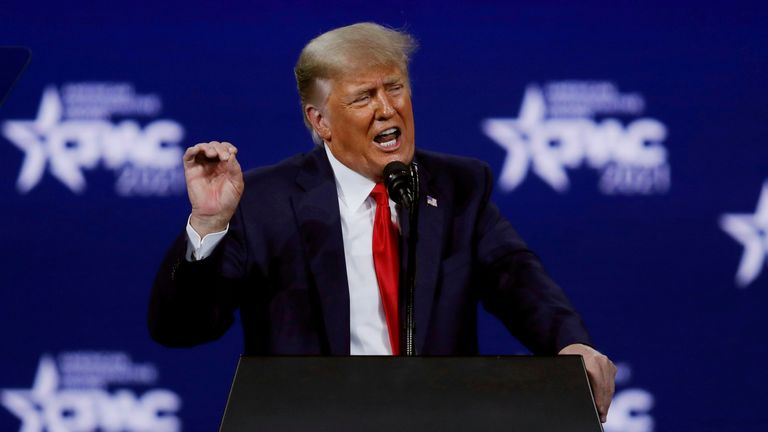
(317, 212)
(428, 250)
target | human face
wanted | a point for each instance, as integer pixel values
(369, 120)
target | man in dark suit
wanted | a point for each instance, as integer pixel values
(294, 246)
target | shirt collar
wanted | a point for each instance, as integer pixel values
(352, 187)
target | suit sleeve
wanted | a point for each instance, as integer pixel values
(193, 302)
(517, 290)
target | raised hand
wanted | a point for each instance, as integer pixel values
(214, 184)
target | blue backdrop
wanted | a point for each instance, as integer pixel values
(629, 144)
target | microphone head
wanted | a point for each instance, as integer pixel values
(395, 168)
(397, 179)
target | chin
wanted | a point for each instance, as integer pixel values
(406, 156)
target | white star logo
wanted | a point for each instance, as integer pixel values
(42, 140)
(143, 158)
(548, 142)
(515, 136)
(48, 407)
(751, 230)
(29, 405)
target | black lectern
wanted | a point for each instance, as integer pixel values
(392, 394)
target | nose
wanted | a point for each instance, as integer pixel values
(384, 110)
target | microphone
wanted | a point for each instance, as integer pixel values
(402, 183)
(397, 179)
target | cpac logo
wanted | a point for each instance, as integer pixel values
(47, 407)
(74, 133)
(751, 230)
(557, 129)
(631, 407)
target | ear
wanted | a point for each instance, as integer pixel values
(318, 121)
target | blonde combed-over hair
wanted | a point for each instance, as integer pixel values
(345, 50)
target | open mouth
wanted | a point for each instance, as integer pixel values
(387, 139)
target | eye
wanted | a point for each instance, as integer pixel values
(363, 98)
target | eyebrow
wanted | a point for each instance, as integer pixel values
(365, 88)
(393, 80)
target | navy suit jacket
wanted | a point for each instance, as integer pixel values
(282, 264)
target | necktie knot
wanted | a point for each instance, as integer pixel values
(380, 195)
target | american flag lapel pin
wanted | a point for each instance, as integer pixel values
(431, 201)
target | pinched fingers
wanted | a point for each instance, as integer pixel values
(210, 150)
(191, 153)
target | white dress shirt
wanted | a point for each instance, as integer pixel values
(367, 324)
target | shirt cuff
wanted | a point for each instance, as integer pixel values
(199, 249)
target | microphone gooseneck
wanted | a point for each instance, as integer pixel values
(397, 179)
(402, 182)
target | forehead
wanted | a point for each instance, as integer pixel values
(361, 78)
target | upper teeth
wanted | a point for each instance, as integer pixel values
(388, 131)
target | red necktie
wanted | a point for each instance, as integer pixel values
(386, 261)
